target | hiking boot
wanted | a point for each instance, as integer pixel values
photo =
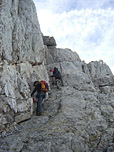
(38, 114)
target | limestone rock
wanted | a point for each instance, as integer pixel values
(23, 116)
(17, 85)
(102, 76)
(110, 148)
(77, 117)
(99, 69)
(85, 103)
(20, 31)
(74, 71)
(49, 41)
(21, 58)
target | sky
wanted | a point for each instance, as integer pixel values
(84, 26)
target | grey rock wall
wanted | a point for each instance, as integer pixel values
(21, 59)
(49, 41)
(78, 117)
(99, 69)
(84, 110)
(74, 118)
(20, 31)
(74, 71)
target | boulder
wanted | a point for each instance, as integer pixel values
(49, 41)
(99, 69)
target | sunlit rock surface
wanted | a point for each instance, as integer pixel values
(21, 59)
(78, 117)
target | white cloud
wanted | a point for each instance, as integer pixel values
(89, 32)
(67, 5)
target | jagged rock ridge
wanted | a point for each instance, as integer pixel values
(79, 117)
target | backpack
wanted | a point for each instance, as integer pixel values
(56, 70)
(44, 86)
(58, 75)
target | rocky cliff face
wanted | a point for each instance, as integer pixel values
(79, 117)
(21, 59)
(84, 111)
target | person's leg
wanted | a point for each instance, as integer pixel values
(54, 80)
(39, 104)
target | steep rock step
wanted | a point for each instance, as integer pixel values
(70, 128)
(30, 134)
(52, 105)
